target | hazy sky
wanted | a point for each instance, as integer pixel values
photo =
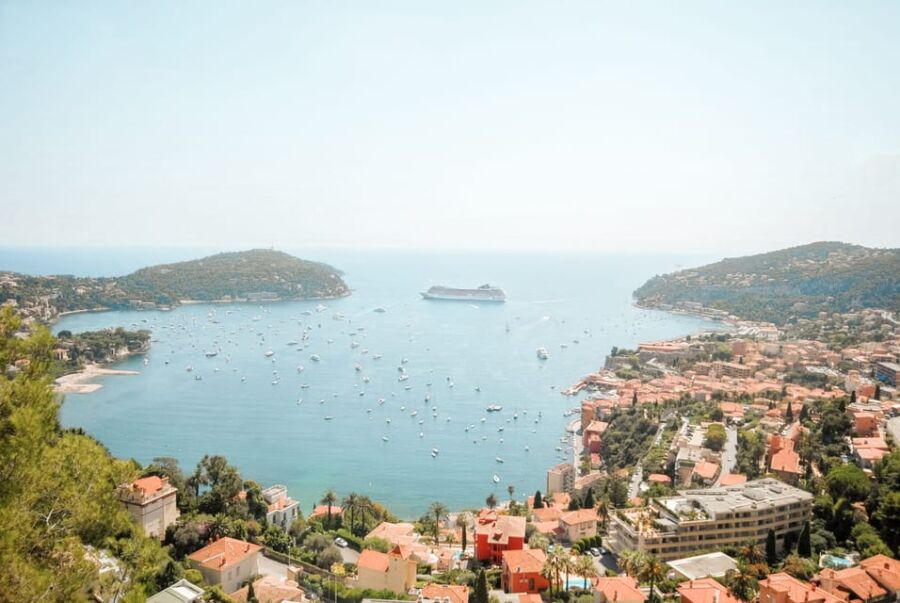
(691, 126)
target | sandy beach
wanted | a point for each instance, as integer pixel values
(79, 383)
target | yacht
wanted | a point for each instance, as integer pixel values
(496, 479)
(542, 353)
(494, 408)
(314, 357)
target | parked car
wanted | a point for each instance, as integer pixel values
(595, 552)
(340, 542)
(602, 550)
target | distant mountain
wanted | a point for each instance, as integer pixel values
(255, 275)
(784, 285)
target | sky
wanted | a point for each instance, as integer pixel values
(729, 127)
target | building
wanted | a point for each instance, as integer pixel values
(733, 369)
(885, 571)
(180, 592)
(579, 524)
(228, 562)
(495, 534)
(394, 533)
(282, 509)
(705, 590)
(618, 589)
(521, 571)
(151, 502)
(695, 520)
(711, 565)
(561, 478)
(394, 571)
(887, 372)
(271, 590)
(784, 588)
(851, 584)
(444, 593)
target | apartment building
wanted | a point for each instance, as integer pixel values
(697, 520)
(561, 478)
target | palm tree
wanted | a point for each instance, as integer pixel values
(491, 501)
(552, 566)
(365, 506)
(511, 489)
(742, 582)
(584, 566)
(751, 553)
(632, 563)
(439, 511)
(329, 498)
(462, 522)
(653, 572)
(350, 505)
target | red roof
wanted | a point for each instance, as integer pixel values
(148, 485)
(224, 551)
(454, 592)
(733, 479)
(706, 590)
(525, 561)
(373, 560)
(619, 588)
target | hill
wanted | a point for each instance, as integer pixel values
(255, 275)
(781, 286)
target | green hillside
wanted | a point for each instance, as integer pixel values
(783, 285)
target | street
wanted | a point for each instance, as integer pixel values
(729, 452)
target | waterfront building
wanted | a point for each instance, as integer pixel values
(495, 534)
(695, 520)
(228, 562)
(151, 502)
(561, 478)
(282, 509)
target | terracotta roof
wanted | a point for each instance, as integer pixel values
(526, 598)
(706, 470)
(619, 588)
(786, 459)
(525, 561)
(148, 485)
(373, 560)
(796, 591)
(322, 510)
(501, 528)
(871, 454)
(270, 590)
(395, 533)
(733, 479)
(546, 514)
(705, 590)
(884, 570)
(877, 442)
(224, 551)
(597, 426)
(454, 592)
(854, 580)
(579, 516)
(659, 478)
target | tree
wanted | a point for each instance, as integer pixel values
(588, 499)
(848, 481)
(750, 553)
(852, 397)
(634, 399)
(789, 415)
(771, 551)
(585, 568)
(877, 395)
(222, 483)
(328, 498)
(491, 501)
(481, 589)
(329, 557)
(632, 563)
(462, 522)
(439, 511)
(538, 501)
(888, 518)
(617, 491)
(251, 594)
(742, 582)
(350, 505)
(804, 413)
(511, 490)
(715, 437)
(804, 545)
(653, 572)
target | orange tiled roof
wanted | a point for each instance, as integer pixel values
(373, 560)
(579, 516)
(525, 561)
(454, 592)
(797, 591)
(854, 580)
(884, 570)
(705, 590)
(705, 469)
(148, 485)
(501, 528)
(619, 588)
(659, 478)
(269, 590)
(526, 598)
(224, 551)
(733, 479)
(322, 511)
(546, 514)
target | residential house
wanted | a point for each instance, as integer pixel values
(228, 562)
(705, 590)
(444, 593)
(579, 524)
(886, 572)
(282, 509)
(784, 588)
(151, 502)
(521, 571)
(853, 583)
(497, 533)
(271, 590)
(394, 571)
(618, 589)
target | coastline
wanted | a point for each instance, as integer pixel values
(79, 382)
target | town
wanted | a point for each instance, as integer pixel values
(735, 465)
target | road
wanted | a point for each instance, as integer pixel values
(270, 567)
(638, 476)
(348, 555)
(729, 452)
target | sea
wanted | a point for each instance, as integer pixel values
(395, 407)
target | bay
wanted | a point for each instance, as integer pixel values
(245, 404)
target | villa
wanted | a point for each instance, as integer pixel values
(151, 502)
(495, 534)
(228, 562)
(521, 571)
(394, 571)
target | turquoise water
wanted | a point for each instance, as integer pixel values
(237, 411)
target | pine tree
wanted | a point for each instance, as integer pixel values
(804, 545)
(481, 590)
(853, 397)
(771, 553)
(789, 415)
(588, 499)
(804, 413)
(538, 501)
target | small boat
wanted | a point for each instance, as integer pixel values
(376, 357)
(211, 354)
(499, 460)
(314, 357)
(269, 354)
(300, 369)
(357, 367)
(189, 368)
(494, 408)
(320, 308)
(384, 438)
(403, 377)
(198, 378)
(542, 353)
(496, 479)
(435, 451)
(380, 310)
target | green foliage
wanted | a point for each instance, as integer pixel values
(782, 285)
(715, 437)
(627, 439)
(751, 451)
(771, 551)
(804, 544)
(481, 589)
(868, 543)
(328, 557)
(848, 481)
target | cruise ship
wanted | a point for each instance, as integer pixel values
(484, 293)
